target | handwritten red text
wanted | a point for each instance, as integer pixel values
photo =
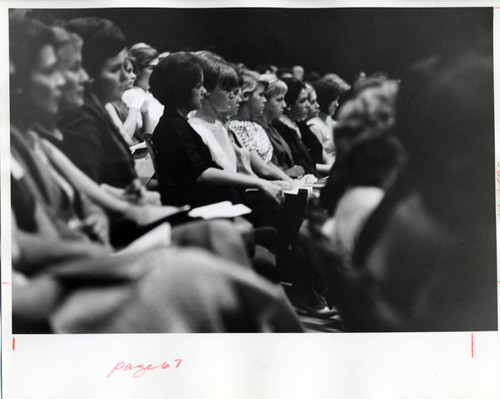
(140, 369)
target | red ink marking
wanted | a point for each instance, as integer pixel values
(472, 345)
(118, 366)
(140, 369)
(13, 344)
(5, 282)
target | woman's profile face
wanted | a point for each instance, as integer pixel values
(145, 73)
(70, 65)
(45, 83)
(112, 80)
(312, 98)
(222, 100)
(274, 107)
(235, 105)
(332, 108)
(300, 109)
(257, 101)
(131, 76)
(196, 96)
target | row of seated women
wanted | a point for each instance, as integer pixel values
(378, 246)
(69, 274)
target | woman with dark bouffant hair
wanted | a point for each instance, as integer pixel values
(91, 139)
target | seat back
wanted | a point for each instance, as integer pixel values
(148, 139)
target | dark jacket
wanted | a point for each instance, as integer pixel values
(182, 157)
(300, 152)
(95, 145)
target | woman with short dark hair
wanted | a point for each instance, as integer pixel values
(322, 125)
(91, 140)
(190, 172)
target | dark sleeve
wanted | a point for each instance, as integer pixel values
(197, 153)
(82, 143)
(180, 149)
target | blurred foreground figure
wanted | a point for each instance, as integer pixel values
(426, 259)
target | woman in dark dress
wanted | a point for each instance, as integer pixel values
(187, 173)
(295, 134)
(91, 139)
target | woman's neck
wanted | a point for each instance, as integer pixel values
(262, 119)
(322, 115)
(143, 84)
(183, 112)
(207, 112)
(243, 113)
(290, 118)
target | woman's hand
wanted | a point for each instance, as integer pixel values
(97, 225)
(273, 191)
(295, 171)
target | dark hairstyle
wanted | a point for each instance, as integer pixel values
(264, 68)
(295, 86)
(174, 77)
(217, 72)
(102, 39)
(327, 92)
(27, 37)
(142, 55)
(312, 76)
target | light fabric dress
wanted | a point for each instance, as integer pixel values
(216, 138)
(253, 136)
(323, 130)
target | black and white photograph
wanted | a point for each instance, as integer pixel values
(297, 171)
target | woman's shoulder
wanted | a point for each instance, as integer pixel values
(79, 120)
(317, 124)
(131, 94)
(241, 127)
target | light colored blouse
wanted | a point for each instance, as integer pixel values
(323, 130)
(216, 138)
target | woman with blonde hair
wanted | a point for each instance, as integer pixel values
(249, 133)
(273, 109)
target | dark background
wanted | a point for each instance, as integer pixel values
(342, 40)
